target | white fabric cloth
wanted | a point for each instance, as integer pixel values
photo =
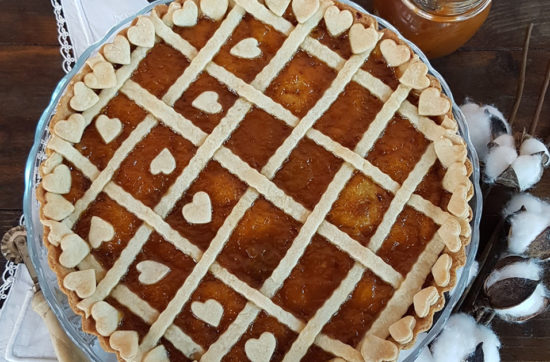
(23, 334)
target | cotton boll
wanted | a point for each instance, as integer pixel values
(498, 160)
(535, 304)
(517, 267)
(532, 146)
(460, 338)
(527, 201)
(505, 140)
(524, 228)
(528, 170)
(484, 123)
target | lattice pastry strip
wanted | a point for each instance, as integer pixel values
(447, 148)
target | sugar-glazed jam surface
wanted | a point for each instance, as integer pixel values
(260, 182)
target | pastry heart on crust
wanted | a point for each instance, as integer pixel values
(247, 48)
(214, 9)
(260, 349)
(59, 181)
(108, 128)
(187, 15)
(361, 38)
(199, 211)
(304, 9)
(394, 54)
(143, 33)
(210, 311)
(71, 129)
(337, 21)
(119, 51)
(84, 98)
(82, 282)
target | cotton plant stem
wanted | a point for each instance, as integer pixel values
(521, 82)
(542, 96)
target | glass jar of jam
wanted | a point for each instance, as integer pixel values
(438, 27)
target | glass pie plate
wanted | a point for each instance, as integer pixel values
(48, 282)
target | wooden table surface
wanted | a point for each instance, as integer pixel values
(485, 69)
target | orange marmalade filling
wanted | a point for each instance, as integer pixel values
(265, 233)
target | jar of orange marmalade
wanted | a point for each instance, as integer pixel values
(438, 27)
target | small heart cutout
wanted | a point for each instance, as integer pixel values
(119, 51)
(247, 48)
(337, 21)
(214, 9)
(108, 128)
(103, 76)
(84, 98)
(106, 318)
(278, 7)
(415, 75)
(71, 130)
(59, 181)
(187, 15)
(304, 9)
(199, 211)
(394, 54)
(157, 354)
(431, 103)
(208, 102)
(449, 153)
(455, 175)
(151, 272)
(402, 330)
(441, 270)
(75, 249)
(57, 207)
(424, 299)
(100, 231)
(168, 16)
(82, 282)
(210, 311)
(125, 342)
(143, 33)
(449, 232)
(54, 160)
(261, 349)
(458, 204)
(362, 39)
(163, 163)
(57, 231)
(377, 349)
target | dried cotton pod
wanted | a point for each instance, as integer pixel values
(514, 289)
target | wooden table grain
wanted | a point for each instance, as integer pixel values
(486, 69)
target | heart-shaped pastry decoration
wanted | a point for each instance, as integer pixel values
(208, 102)
(143, 33)
(431, 103)
(337, 21)
(261, 349)
(163, 163)
(394, 54)
(304, 9)
(278, 7)
(362, 39)
(424, 299)
(415, 75)
(57, 230)
(199, 211)
(157, 354)
(449, 232)
(169, 14)
(59, 181)
(210, 311)
(441, 270)
(100, 231)
(125, 342)
(118, 52)
(456, 174)
(449, 124)
(402, 330)
(375, 349)
(84, 98)
(151, 272)
(71, 129)
(74, 249)
(57, 207)
(103, 76)
(106, 318)
(458, 204)
(449, 153)
(247, 48)
(51, 162)
(108, 128)
(82, 282)
(187, 15)
(214, 9)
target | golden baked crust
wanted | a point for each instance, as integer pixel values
(420, 180)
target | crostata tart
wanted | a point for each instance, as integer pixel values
(255, 180)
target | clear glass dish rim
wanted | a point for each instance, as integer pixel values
(31, 168)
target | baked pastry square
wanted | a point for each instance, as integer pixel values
(250, 180)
